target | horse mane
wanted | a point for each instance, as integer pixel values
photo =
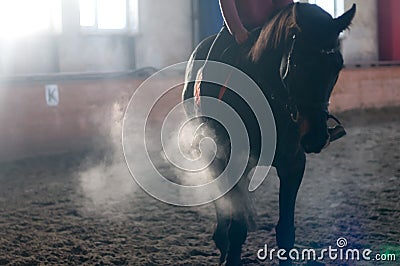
(275, 32)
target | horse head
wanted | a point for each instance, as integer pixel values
(305, 41)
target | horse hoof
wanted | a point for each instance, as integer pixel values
(315, 263)
(233, 264)
(222, 258)
(237, 261)
(285, 263)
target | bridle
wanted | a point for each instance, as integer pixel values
(292, 104)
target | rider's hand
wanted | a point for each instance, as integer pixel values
(242, 36)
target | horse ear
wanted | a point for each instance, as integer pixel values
(344, 21)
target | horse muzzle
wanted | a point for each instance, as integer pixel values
(314, 135)
(314, 142)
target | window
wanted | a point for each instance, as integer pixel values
(333, 7)
(19, 18)
(109, 15)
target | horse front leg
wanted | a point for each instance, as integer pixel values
(232, 225)
(235, 216)
(220, 236)
(290, 175)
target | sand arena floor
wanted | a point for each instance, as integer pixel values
(83, 209)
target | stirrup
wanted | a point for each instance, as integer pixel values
(337, 131)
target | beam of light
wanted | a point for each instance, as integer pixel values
(335, 7)
(328, 6)
(339, 8)
(103, 14)
(20, 18)
(87, 9)
(112, 14)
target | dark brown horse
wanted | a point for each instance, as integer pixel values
(295, 59)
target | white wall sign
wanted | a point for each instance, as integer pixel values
(52, 95)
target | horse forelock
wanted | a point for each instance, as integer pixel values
(276, 32)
